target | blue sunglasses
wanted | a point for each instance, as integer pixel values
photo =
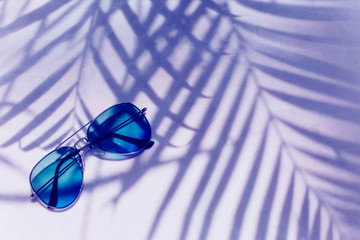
(122, 131)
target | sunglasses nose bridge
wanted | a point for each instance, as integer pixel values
(83, 144)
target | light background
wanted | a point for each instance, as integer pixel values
(254, 107)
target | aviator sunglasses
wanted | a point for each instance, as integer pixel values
(122, 131)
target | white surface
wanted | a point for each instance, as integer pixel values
(253, 105)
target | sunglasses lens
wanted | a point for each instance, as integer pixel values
(57, 178)
(121, 129)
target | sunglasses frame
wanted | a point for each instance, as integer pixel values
(82, 152)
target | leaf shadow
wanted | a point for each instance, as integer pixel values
(183, 22)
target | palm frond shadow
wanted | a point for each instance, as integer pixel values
(33, 59)
(341, 92)
(299, 11)
(284, 37)
(36, 94)
(177, 28)
(333, 110)
(268, 202)
(229, 169)
(306, 63)
(248, 190)
(34, 16)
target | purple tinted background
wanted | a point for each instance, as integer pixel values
(253, 105)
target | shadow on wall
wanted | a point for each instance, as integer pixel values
(239, 91)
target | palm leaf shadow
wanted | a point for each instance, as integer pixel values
(178, 19)
(299, 11)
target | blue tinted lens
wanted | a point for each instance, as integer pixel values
(57, 178)
(121, 129)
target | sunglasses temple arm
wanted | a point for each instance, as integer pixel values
(73, 135)
(54, 180)
(135, 141)
(54, 191)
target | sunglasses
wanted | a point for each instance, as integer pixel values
(122, 131)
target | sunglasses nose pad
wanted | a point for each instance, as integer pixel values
(149, 144)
